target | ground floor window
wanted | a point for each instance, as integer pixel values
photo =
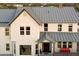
(59, 44)
(64, 44)
(25, 49)
(7, 47)
(70, 45)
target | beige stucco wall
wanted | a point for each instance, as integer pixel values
(3, 40)
(25, 20)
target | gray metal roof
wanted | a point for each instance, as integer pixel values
(54, 14)
(42, 14)
(6, 14)
(59, 36)
(77, 13)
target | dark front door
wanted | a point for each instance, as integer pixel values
(46, 47)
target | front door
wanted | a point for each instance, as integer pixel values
(46, 47)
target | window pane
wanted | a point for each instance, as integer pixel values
(7, 45)
(45, 29)
(70, 28)
(27, 32)
(59, 25)
(64, 46)
(21, 32)
(59, 29)
(59, 44)
(70, 42)
(6, 29)
(27, 28)
(7, 33)
(7, 49)
(64, 42)
(21, 28)
(45, 25)
(70, 45)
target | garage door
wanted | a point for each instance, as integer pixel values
(25, 49)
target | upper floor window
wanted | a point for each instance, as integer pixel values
(7, 47)
(7, 31)
(59, 27)
(21, 30)
(78, 23)
(45, 27)
(70, 28)
(27, 30)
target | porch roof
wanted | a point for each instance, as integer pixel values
(59, 36)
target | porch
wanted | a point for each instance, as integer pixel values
(68, 41)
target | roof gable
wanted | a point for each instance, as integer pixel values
(17, 15)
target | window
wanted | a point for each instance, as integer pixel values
(64, 44)
(70, 45)
(78, 23)
(70, 28)
(59, 44)
(27, 30)
(7, 31)
(77, 30)
(7, 47)
(45, 27)
(21, 30)
(59, 27)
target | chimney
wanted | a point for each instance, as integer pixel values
(60, 5)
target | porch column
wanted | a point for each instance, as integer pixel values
(39, 47)
(52, 48)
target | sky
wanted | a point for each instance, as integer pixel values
(39, 1)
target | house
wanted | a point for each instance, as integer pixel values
(38, 30)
